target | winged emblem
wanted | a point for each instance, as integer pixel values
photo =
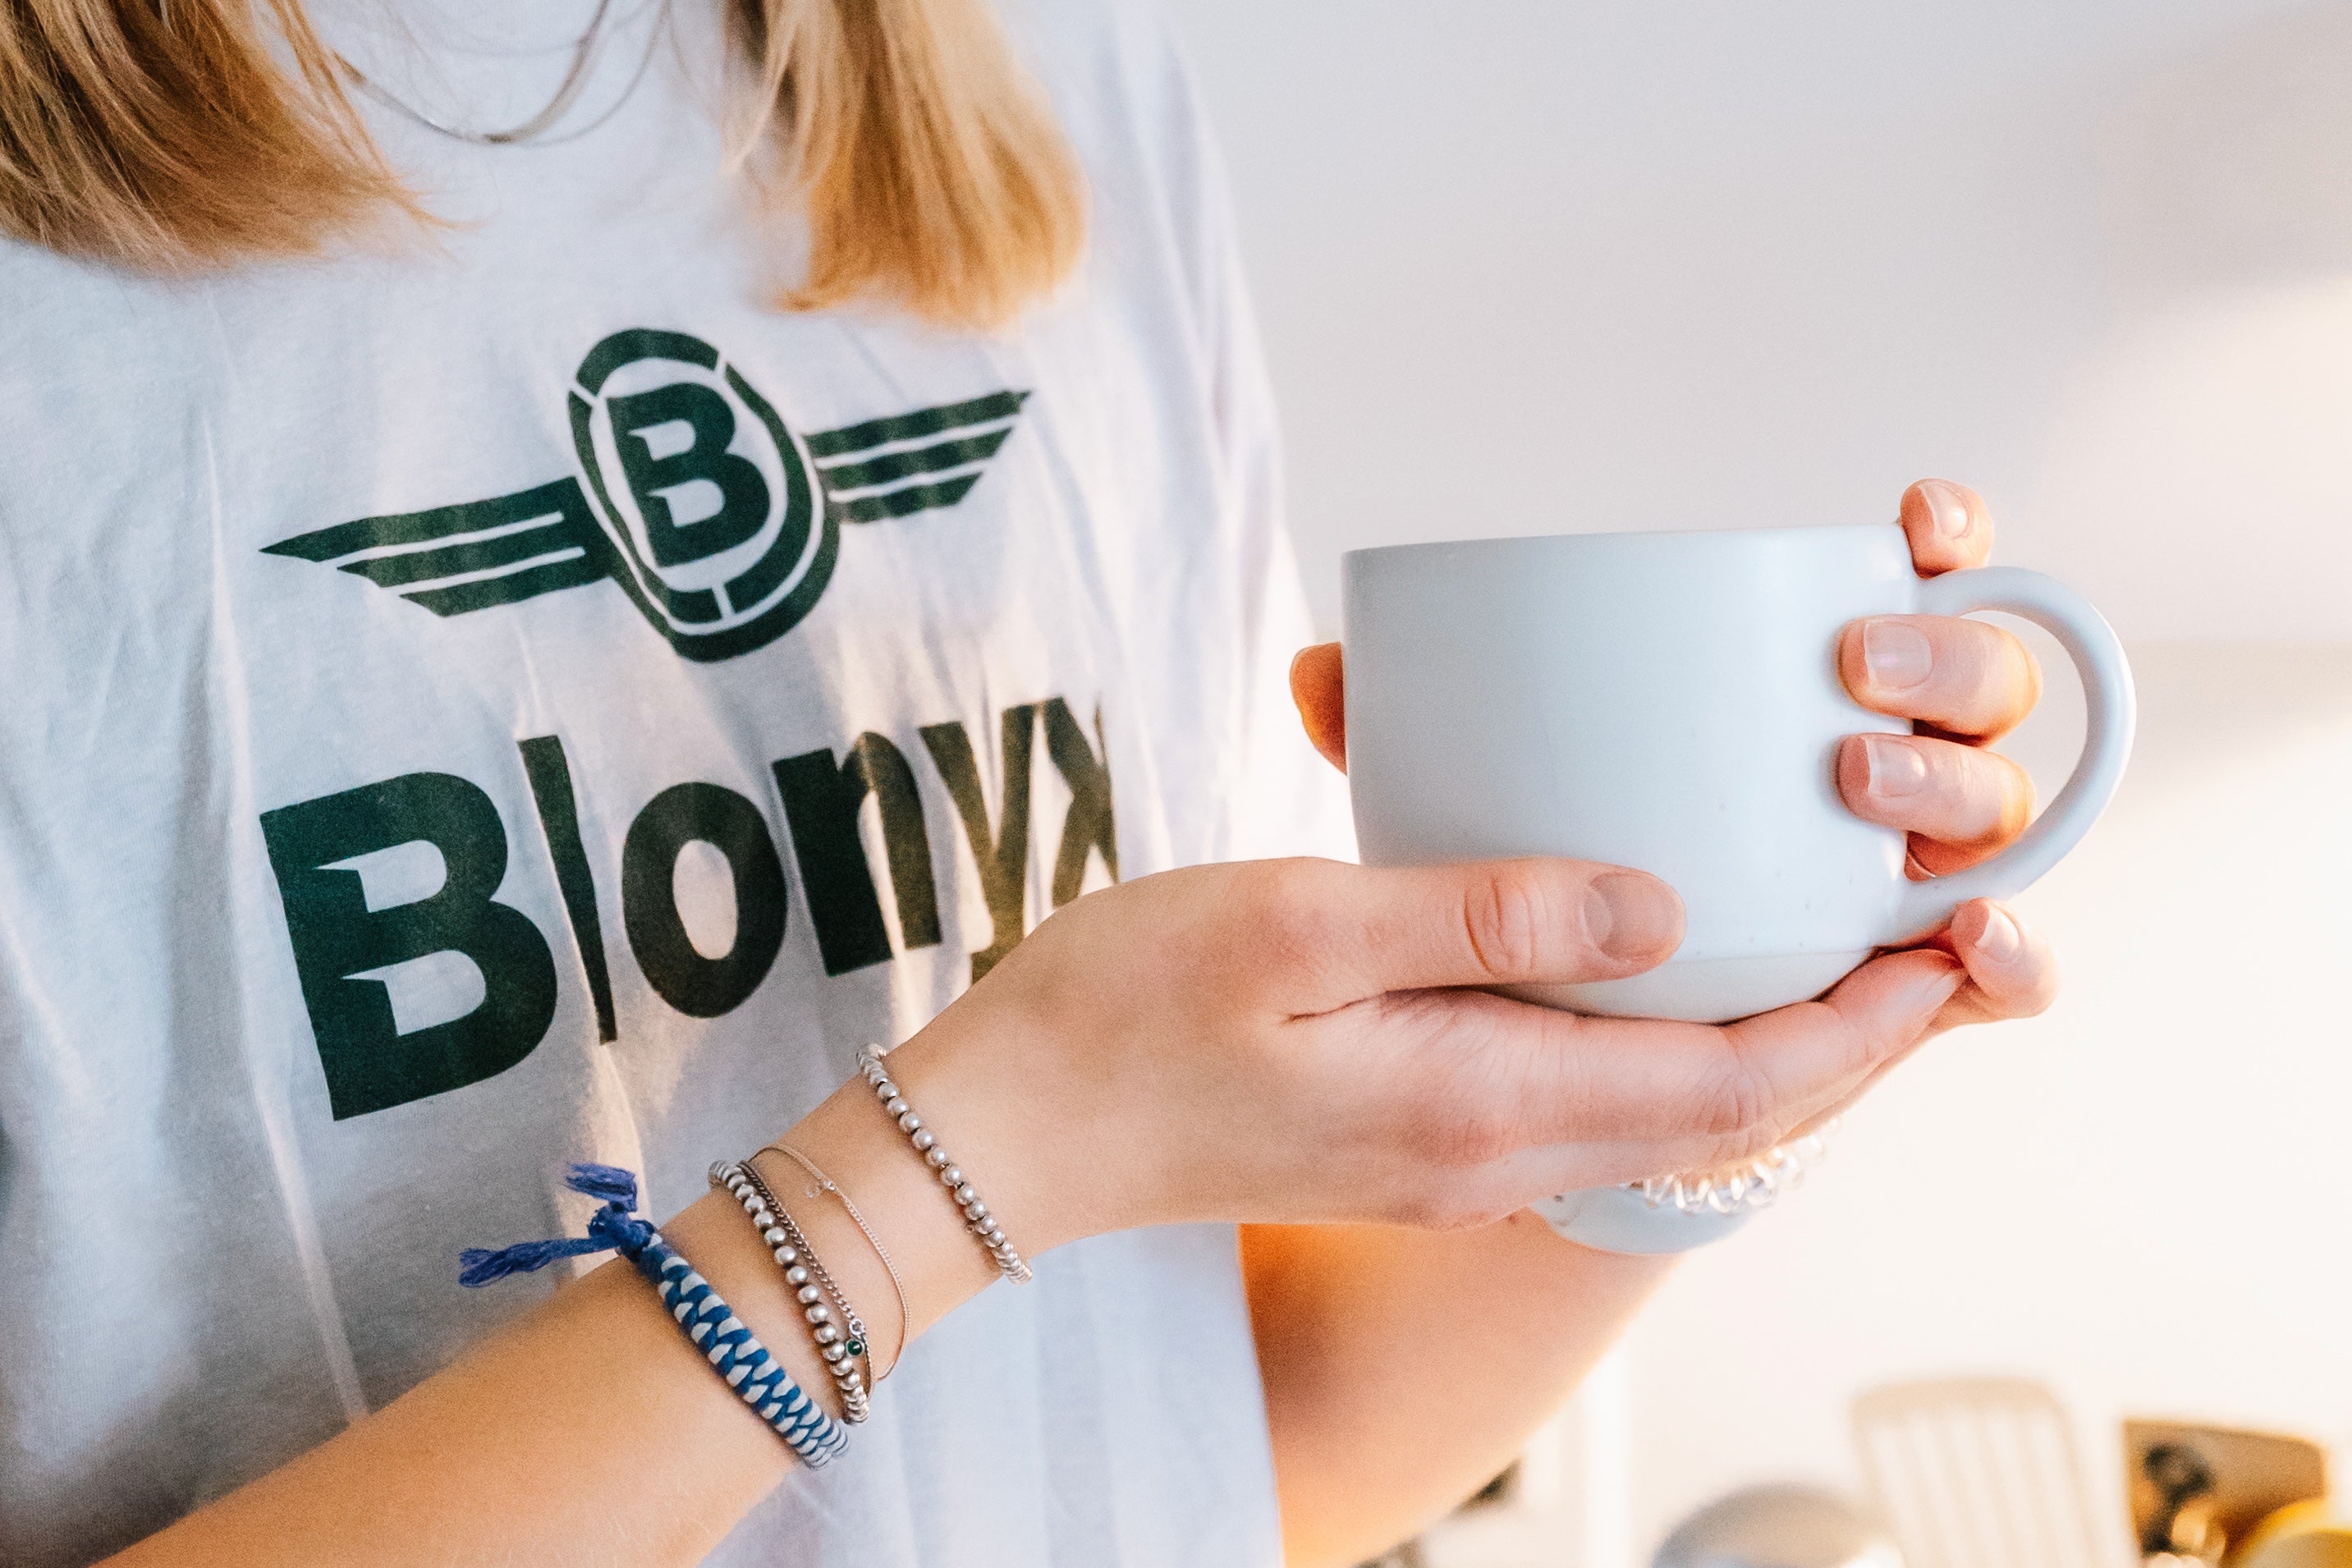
(692, 494)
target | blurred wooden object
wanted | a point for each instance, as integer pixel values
(1978, 1472)
(2300, 1535)
(2202, 1491)
(2328, 1547)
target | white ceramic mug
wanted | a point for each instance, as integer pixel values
(1671, 701)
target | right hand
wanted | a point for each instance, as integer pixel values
(1294, 1041)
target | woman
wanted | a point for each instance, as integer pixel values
(490, 504)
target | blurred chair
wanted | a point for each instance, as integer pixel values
(1978, 1472)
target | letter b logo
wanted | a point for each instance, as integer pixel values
(662, 473)
(370, 1065)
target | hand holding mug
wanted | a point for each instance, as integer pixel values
(1672, 702)
(1302, 1041)
(1958, 802)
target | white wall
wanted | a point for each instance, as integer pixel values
(1535, 265)
(2126, 1197)
(1531, 266)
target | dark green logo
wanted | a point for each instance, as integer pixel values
(719, 521)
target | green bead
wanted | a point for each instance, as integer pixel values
(857, 1347)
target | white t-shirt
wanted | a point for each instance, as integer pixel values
(515, 698)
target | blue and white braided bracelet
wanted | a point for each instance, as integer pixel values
(736, 1353)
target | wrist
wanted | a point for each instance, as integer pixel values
(1004, 1103)
(715, 1240)
(938, 1263)
(862, 1152)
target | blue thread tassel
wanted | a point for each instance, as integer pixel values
(608, 1181)
(614, 1228)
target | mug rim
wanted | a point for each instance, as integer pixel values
(1505, 541)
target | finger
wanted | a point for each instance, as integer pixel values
(1959, 803)
(1947, 526)
(1894, 974)
(1318, 686)
(2013, 972)
(1886, 1008)
(1488, 924)
(1963, 677)
(1697, 1093)
(2023, 981)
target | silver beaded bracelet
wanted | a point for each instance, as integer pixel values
(859, 1342)
(976, 1217)
(809, 1281)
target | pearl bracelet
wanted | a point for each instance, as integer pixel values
(809, 1281)
(976, 1217)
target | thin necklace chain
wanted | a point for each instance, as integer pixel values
(535, 129)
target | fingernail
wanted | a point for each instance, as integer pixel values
(1946, 506)
(1896, 653)
(1896, 769)
(2000, 939)
(1629, 916)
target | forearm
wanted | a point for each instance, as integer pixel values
(551, 1442)
(590, 1431)
(1292, 1040)
(1403, 1369)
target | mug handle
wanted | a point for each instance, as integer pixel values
(2112, 710)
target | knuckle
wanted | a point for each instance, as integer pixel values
(1288, 914)
(1850, 1052)
(1975, 799)
(1457, 1129)
(1484, 1135)
(2016, 790)
(1446, 1206)
(1996, 679)
(1736, 1101)
(1280, 885)
(1503, 921)
(1989, 799)
(2020, 671)
(1966, 665)
(1470, 1115)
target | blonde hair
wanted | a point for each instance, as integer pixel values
(165, 135)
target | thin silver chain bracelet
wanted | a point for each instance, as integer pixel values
(825, 1184)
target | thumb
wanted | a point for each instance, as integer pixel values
(1497, 922)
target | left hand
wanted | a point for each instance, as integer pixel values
(1965, 684)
